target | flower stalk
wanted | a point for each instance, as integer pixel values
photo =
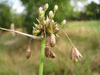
(42, 57)
(67, 37)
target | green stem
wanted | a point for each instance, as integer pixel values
(42, 57)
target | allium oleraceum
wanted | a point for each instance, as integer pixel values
(48, 29)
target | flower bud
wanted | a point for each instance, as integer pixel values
(41, 17)
(49, 31)
(52, 55)
(36, 31)
(40, 9)
(47, 20)
(47, 51)
(28, 53)
(52, 22)
(36, 25)
(38, 20)
(63, 22)
(57, 35)
(55, 8)
(56, 30)
(42, 13)
(46, 6)
(52, 40)
(44, 22)
(51, 15)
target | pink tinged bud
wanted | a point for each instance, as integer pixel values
(46, 6)
(63, 22)
(40, 9)
(47, 51)
(52, 40)
(75, 54)
(52, 55)
(28, 53)
(51, 15)
(55, 8)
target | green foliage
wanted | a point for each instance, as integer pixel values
(5, 15)
(17, 19)
(32, 11)
(92, 10)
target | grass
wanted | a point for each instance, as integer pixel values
(84, 34)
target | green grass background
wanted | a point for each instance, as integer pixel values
(84, 34)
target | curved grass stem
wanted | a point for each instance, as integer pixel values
(42, 57)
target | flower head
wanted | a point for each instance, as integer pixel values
(75, 54)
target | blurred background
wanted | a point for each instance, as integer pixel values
(83, 27)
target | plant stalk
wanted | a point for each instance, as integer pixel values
(42, 57)
(31, 36)
(67, 36)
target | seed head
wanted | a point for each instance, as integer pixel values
(46, 6)
(28, 53)
(55, 8)
(52, 40)
(51, 15)
(63, 22)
